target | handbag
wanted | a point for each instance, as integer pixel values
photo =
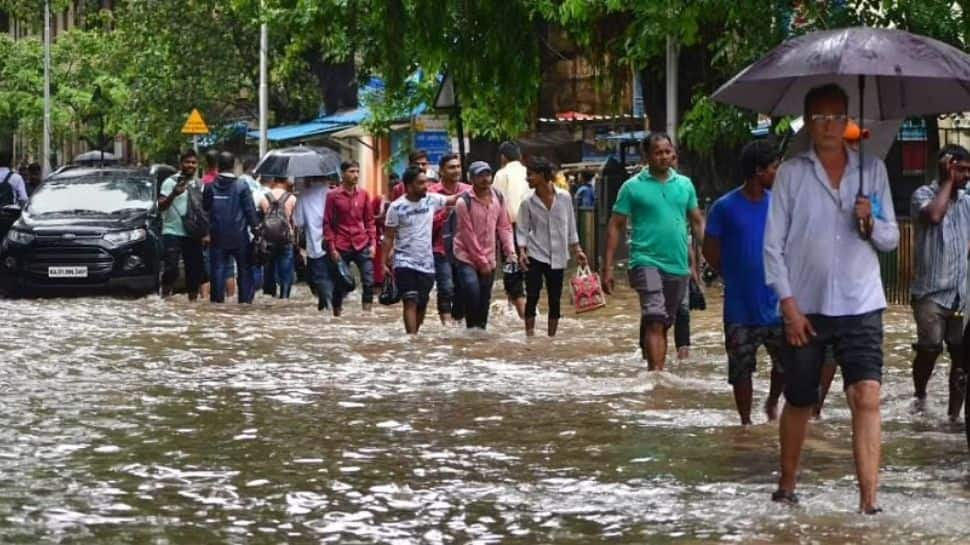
(697, 301)
(587, 293)
(389, 293)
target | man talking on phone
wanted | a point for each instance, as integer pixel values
(173, 202)
(941, 215)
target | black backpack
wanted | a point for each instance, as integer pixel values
(275, 227)
(6, 191)
(195, 220)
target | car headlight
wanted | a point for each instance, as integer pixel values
(124, 237)
(20, 237)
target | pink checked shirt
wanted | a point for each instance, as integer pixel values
(477, 229)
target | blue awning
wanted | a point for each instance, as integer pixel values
(317, 127)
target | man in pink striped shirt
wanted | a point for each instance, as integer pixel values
(481, 220)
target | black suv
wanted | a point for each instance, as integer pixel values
(86, 228)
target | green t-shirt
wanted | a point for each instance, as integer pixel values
(658, 211)
(172, 217)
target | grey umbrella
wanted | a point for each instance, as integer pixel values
(889, 74)
(95, 157)
(299, 162)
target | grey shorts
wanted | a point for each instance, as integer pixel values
(936, 324)
(741, 343)
(660, 293)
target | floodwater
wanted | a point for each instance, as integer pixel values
(160, 422)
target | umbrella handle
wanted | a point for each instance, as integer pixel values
(865, 226)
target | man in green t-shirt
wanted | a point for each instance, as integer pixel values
(173, 202)
(660, 202)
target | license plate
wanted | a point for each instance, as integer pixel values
(67, 272)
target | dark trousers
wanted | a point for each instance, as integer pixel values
(244, 279)
(320, 278)
(539, 271)
(475, 291)
(189, 251)
(269, 279)
(365, 264)
(682, 327)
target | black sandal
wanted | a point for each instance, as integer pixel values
(873, 511)
(784, 496)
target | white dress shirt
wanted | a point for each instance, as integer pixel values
(813, 251)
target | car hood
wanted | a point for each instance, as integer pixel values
(94, 224)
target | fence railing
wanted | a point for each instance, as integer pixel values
(897, 266)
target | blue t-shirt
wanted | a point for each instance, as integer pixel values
(739, 225)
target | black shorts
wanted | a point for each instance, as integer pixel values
(856, 342)
(414, 286)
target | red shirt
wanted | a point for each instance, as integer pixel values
(348, 220)
(442, 216)
(209, 177)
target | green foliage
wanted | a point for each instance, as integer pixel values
(707, 122)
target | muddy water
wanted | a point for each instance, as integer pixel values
(151, 421)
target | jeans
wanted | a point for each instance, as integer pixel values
(189, 251)
(269, 279)
(283, 270)
(533, 286)
(365, 264)
(446, 281)
(475, 290)
(319, 276)
(218, 260)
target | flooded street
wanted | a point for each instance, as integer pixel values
(151, 421)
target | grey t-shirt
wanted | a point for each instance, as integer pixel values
(414, 221)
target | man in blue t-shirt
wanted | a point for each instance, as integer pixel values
(736, 231)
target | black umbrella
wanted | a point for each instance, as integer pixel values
(889, 74)
(299, 162)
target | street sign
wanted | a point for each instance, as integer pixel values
(445, 98)
(436, 143)
(424, 123)
(195, 124)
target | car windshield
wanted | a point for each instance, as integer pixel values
(92, 196)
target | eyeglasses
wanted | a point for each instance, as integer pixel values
(822, 119)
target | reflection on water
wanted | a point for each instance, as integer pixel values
(155, 421)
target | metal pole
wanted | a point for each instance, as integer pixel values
(45, 165)
(461, 137)
(672, 60)
(263, 89)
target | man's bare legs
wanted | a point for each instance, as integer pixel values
(654, 344)
(413, 317)
(792, 431)
(864, 401)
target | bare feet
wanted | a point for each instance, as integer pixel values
(683, 352)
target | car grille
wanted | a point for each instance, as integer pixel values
(97, 260)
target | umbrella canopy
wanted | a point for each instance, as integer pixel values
(904, 74)
(95, 156)
(882, 134)
(299, 162)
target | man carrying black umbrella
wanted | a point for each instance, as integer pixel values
(827, 278)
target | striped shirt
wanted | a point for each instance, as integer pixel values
(940, 260)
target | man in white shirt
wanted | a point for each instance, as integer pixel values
(512, 182)
(826, 276)
(309, 219)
